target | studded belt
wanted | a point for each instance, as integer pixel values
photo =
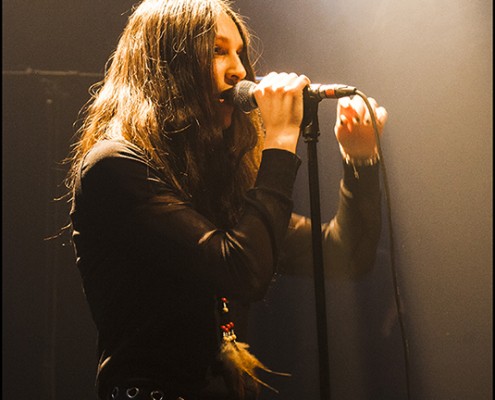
(147, 391)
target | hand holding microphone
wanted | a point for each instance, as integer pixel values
(280, 100)
(242, 94)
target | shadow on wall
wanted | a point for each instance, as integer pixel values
(366, 355)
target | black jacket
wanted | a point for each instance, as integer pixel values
(153, 267)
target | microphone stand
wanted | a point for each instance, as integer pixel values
(310, 131)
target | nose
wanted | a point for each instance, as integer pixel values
(235, 71)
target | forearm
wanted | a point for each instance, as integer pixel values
(352, 236)
(349, 240)
(250, 250)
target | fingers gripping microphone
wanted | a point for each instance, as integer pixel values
(242, 94)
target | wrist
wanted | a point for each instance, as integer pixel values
(358, 162)
(286, 140)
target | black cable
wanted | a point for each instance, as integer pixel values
(391, 243)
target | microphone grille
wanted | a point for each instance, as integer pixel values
(242, 96)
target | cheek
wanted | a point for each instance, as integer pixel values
(218, 73)
(215, 66)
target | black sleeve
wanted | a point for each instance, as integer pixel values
(350, 239)
(135, 204)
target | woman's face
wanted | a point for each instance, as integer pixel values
(227, 66)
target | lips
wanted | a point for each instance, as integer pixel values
(225, 104)
(226, 96)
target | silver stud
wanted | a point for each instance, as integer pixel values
(115, 392)
(157, 395)
(132, 392)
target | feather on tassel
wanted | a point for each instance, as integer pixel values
(240, 362)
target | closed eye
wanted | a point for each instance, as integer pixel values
(223, 45)
(219, 50)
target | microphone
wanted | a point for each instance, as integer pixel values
(241, 95)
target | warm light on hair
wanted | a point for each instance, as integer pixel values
(157, 93)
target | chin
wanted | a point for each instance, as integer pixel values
(226, 119)
(226, 123)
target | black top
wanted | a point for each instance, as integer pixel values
(152, 267)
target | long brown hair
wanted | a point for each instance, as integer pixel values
(157, 93)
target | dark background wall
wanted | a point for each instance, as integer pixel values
(428, 62)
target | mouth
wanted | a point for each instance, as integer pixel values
(225, 104)
(225, 97)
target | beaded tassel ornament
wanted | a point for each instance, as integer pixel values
(237, 358)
